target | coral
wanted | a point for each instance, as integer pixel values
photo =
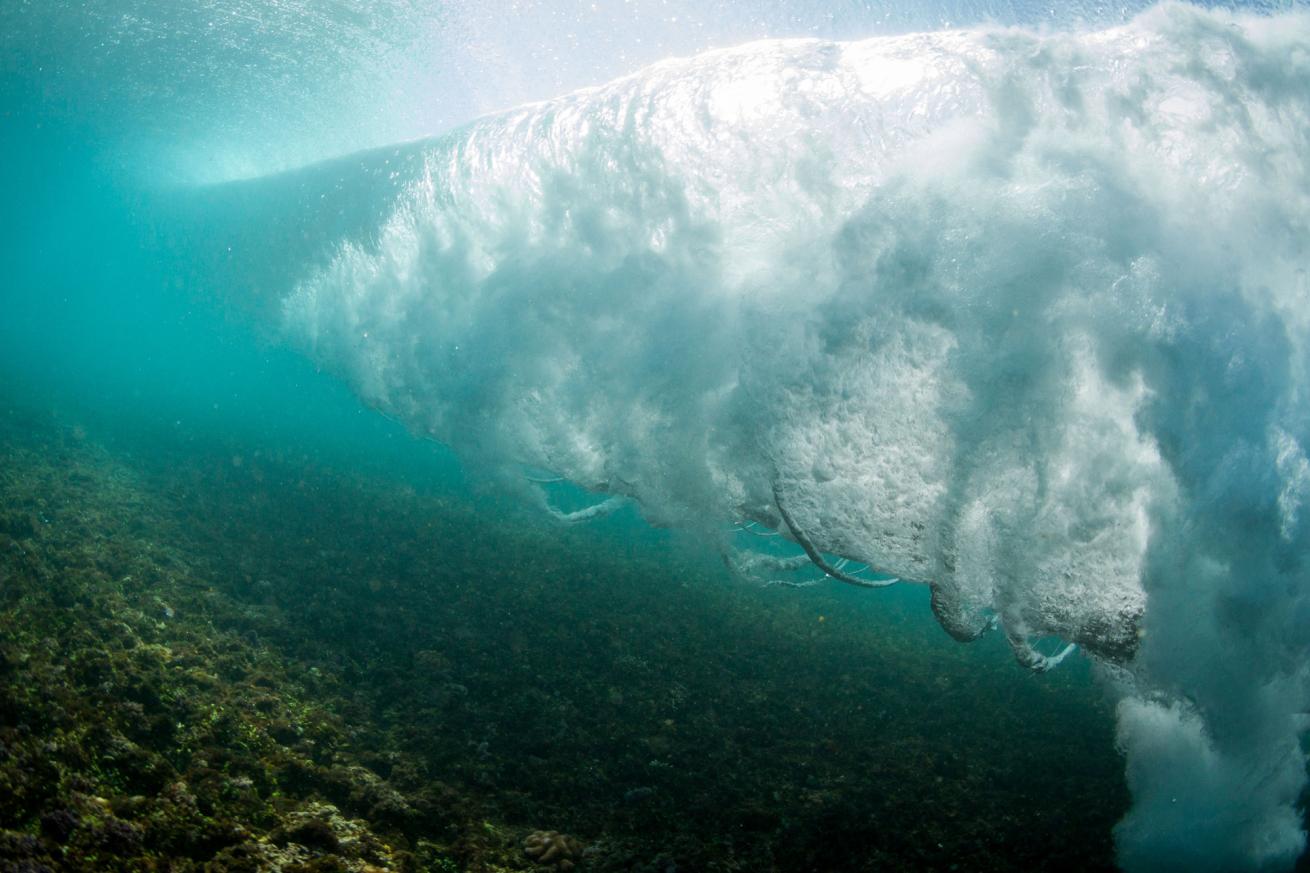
(312, 834)
(553, 848)
(59, 825)
(118, 836)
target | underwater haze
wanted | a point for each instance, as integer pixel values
(654, 436)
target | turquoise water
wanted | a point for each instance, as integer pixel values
(1005, 301)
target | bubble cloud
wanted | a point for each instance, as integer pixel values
(1020, 317)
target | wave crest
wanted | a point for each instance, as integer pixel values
(1019, 317)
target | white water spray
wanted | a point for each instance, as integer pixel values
(1020, 317)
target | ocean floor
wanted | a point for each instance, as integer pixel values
(218, 658)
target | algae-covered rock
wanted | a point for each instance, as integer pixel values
(553, 849)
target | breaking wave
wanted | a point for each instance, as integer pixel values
(1019, 317)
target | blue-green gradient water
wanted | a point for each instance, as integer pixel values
(1007, 301)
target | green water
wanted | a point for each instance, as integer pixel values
(291, 318)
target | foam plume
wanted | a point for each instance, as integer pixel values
(1020, 317)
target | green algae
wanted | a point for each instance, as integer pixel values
(222, 665)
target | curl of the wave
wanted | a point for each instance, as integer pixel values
(1020, 317)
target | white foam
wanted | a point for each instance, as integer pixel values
(1021, 317)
